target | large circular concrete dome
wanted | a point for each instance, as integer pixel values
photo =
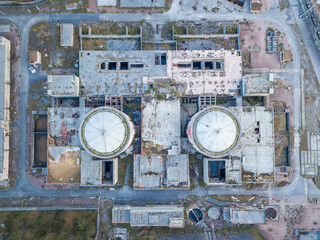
(214, 132)
(106, 132)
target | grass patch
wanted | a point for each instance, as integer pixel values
(123, 164)
(193, 163)
(94, 43)
(151, 233)
(49, 224)
(283, 4)
(240, 229)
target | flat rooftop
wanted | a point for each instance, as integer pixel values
(2, 73)
(63, 85)
(188, 72)
(63, 126)
(256, 84)
(142, 3)
(63, 165)
(247, 216)
(90, 170)
(66, 34)
(257, 143)
(160, 171)
(160, 127)
(147, 216)
(4, 107)
(97, 79)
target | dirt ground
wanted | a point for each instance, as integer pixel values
(45, 38)
(282, 98)
(254, 34)
(294, 213)
(65, 170)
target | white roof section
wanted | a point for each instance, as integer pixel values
(214, 131)
(106, 132)
(104, 3)
(63, 85)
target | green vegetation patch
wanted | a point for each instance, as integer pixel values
(123, 164)
(241, 229)
(152, 233)
(49, 224)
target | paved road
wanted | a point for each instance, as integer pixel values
(23, 188)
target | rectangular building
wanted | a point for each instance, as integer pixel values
(161, 172)
(63, 86)
(247, 216)
(257, 144)
(66, 34)
(161, 215)
(256, 85)
(189, 72)
(34, 58)
(5, 47)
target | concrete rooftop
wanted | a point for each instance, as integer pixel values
(63, 126)
(160, 128)
(160, 171)
(257, 142)
(188, 72)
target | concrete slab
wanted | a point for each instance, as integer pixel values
(142, 3)
(161, 126)
(257, 143)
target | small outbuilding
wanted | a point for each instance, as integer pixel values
(66, 35)
(34, 58)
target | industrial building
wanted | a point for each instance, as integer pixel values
(70, 129)
(161, 215)
(5, 47)
(34, 57)
(245, 215)
(63, 86)
(256, 85)
(237, 142)
(156, 172)
(138, 72)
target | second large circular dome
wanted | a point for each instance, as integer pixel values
(214, 131)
